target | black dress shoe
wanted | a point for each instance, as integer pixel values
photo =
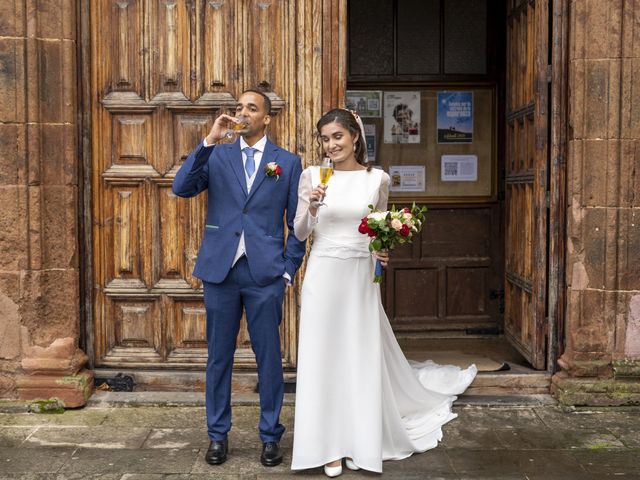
(217, 452)
(271, 455)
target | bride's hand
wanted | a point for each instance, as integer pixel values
(315, 197)
(382, 256)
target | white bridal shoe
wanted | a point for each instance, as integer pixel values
(332, 471)
(351, 465)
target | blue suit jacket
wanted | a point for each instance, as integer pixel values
(231, 210)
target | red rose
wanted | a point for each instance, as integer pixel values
(278, 170)
(363, 228)
(407, 210)
(404, 231)
(371, 232)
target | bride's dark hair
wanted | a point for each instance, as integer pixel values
(345, 119)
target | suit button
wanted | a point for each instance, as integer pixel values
(237, 234)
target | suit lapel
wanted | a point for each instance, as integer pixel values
(235, 161)
(269, 155)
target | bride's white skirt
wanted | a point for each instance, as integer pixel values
(357, 395)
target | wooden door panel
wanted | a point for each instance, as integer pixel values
(445, 279)
(162, 71)
(526, 177)
(133, 332)
(467, 292)
(122, 24)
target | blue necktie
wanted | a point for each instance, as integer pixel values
(250, 164)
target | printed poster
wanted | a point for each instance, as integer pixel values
(401, 117)
(407, 178)
(366, 102)
(459, 168)
(455, 117)
(370, 138)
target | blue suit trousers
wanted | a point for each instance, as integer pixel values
(263, 305)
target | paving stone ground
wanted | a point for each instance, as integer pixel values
(169, 442)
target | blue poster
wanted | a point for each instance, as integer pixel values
(455, 117)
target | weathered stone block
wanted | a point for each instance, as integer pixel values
(630, 111)
(596, 107)
(631, 327)
(13, 228)
(12, 18)
(629, 184)
(589, 364)
(62, 357)
(593, 169)
(59, 227)
(576, 100)
(50, 74)
(627, 368)
(34, 238)
(586, 248)
(630, 39)
(10, 285)
(51, 81)
(13, 156)
(594, 391)
(591, 321)
(51, 306)
(12, 86)
(72, 390)
(55, 19)
(628, 249)
(9, 328)
(58, 154)
(596, 31)
(8, 388)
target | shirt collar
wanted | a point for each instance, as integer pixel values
(259, 145)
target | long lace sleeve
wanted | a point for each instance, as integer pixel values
(383, 197)
(304, 222)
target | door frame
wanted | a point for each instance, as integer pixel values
(558, 202)
(334, 67)
(85, 207)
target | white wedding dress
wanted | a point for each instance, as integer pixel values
(357, 395)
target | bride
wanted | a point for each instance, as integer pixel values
(357, 396)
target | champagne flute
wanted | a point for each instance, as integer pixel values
(235, 127)
(326, 170)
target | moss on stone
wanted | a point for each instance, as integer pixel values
(53, 405)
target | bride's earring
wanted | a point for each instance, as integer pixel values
(354, 146)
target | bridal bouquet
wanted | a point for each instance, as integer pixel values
(387, 229)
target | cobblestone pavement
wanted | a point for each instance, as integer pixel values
(168, 442)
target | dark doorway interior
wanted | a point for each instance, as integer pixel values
(445, 292)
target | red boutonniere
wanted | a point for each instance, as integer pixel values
(273, 170)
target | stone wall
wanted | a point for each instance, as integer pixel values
(601, 363)
(39, 274)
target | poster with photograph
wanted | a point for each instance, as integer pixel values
(459, 168)
(407, 178)
(367, 103)
(370, 138)
(401, 117)
(455, 117)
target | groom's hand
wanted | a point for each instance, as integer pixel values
(219, 129)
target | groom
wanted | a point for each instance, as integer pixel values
(244, 261)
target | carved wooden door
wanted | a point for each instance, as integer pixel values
(161, 71)
(527, 161)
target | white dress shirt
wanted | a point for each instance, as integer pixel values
(257, 157)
